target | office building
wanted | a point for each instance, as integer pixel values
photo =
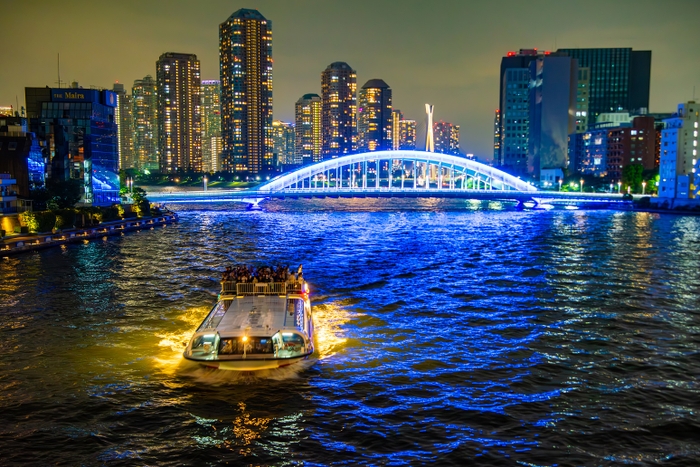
(513, 105)
(78, 131)
(446, 138)
(678, 169)
(179, 113)
(125, 127)
(308, 126)
(552, 106)
(605, 150)
(144, 97)
(632, 144)
(619, 78)
(338, 110)
(211, 125)
(374, 117)
(245, 54)
(538, 99)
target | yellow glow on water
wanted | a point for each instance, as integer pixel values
(247, 429)
(328, 321)
(171, 344)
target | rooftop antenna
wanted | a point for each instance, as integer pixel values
(59, 69)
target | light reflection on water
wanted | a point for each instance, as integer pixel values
(446, 332)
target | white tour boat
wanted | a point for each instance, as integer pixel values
(255, 326)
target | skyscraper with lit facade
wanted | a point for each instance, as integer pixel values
(179, 112)
(307, 116)
(211, 125)
(446, 137)
(144, 98)
(245, 55)
(283, 141)
(339, 110)
(125, 127)
(374, 116)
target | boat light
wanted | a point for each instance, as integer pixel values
(287, 333)
(245, 339)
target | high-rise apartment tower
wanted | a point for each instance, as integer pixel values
(125, 127)
(245, 55)
(307, 116)
(211, 125)
(339, 110)
(374, 122)
(145, 114)
(179, 117)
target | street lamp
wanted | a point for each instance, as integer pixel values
(205, 183)
(581, 185)
(644, 185)
(628, 189)
(611, 185)
(560, 182)
(619, 185)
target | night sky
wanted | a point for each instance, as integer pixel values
(446, 53)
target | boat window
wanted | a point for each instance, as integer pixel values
(205, 343)
(292, 342)
(254, 345)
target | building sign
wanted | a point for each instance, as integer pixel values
(74, 95)
(109, 98)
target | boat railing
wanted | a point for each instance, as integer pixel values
(261, 288)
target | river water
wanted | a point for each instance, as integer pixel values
(448, 333)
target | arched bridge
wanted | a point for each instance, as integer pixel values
(395, 170)
(408, 174)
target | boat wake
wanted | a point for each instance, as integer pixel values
(215, 377)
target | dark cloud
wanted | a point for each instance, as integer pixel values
(443, 52)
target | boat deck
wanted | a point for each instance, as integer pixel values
(261, 315)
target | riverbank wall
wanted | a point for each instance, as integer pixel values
(23, 243)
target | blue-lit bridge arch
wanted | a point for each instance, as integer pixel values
(389, 174)
(394, 171)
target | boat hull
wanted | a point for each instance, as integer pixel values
(250, 365)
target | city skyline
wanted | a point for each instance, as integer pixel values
(461, 79)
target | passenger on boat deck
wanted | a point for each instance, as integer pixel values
(227, 274)
(227, 347)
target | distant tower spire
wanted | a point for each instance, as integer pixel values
(429, 140)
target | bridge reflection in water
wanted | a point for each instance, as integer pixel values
(389, 174)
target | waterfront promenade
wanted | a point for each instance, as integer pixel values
(21, 243)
